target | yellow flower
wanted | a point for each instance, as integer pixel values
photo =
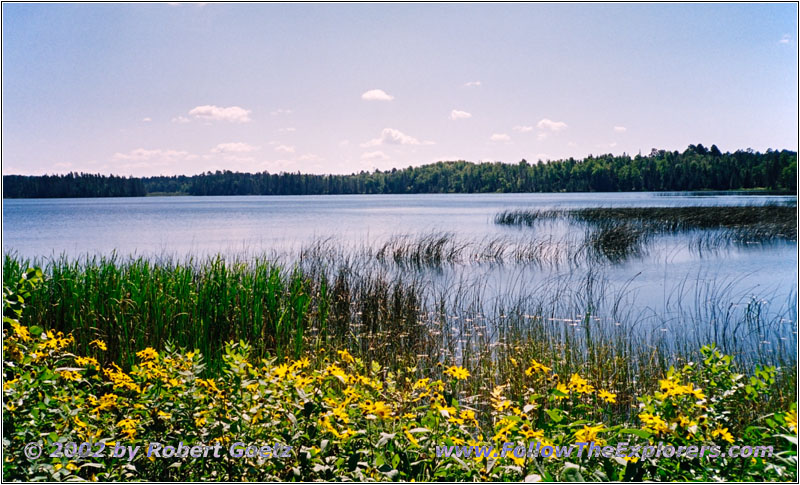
(469, 415)
(561, 387)
(200, 421)
(147, 354)
(654, 423)
(86, 361)
(164, 416)
(529, 433)
(128, 426)
(697, 393)
(99, 344)
(20, 331)
(410, 437)
(338, 372)
(517, 461)
(791, 420)
(121, 379)
(577, 381)
(536, 367)
(70, 375)
(422, 383)
(458, 373)
(108, 401)
(589, 434)
(345, 356)
(580, 385)
(377, 409)
(607, 396)
(722, 433)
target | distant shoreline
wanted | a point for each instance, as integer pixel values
(696, 169)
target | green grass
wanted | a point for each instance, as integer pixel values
(396, 317)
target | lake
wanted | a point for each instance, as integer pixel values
(666, 286)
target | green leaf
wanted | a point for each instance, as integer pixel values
(555, 415)
(638, 432)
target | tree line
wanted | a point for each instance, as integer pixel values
(696, 168)
(71, 185)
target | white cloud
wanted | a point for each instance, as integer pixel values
(157, 155)
(390, 136)
(378, 155)
(281, 111)
(234, 147)
(234, 114)
(284, 149)
(500, 137)
(287, 130)
(344, 143)
(523, 128)
(472, 84)
(784, 39)
(376, 95)
(310, 157)
(459, 115)
(147, 119)
(547, 124)
(181, 119)
(620, 129)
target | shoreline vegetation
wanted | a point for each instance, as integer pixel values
(364, 359)
(695, 169)
(365, 372)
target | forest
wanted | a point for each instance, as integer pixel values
(71, 185)
(696, 168)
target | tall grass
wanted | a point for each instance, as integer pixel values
(618, 233)
(330, 298)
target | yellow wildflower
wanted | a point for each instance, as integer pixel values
(345, 356)
(70, 375)
(458, 373)
(377, 409)
(722, 433)
(536, 367)
(410, 437)
(20, 331)
(87, 361)
(147, 354)
(99, 344)
(791, 420)
(561, 387)
(654, 423)
(589, 434)
(607, 396)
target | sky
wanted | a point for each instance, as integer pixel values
(170, 89)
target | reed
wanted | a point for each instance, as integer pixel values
(332, 298)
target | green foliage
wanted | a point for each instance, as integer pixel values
(695, 169)
(347, 419)
(71, 185)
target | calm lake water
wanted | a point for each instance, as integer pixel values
(196, 226)
(210, 225)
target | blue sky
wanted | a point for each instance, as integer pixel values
(148, 89)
